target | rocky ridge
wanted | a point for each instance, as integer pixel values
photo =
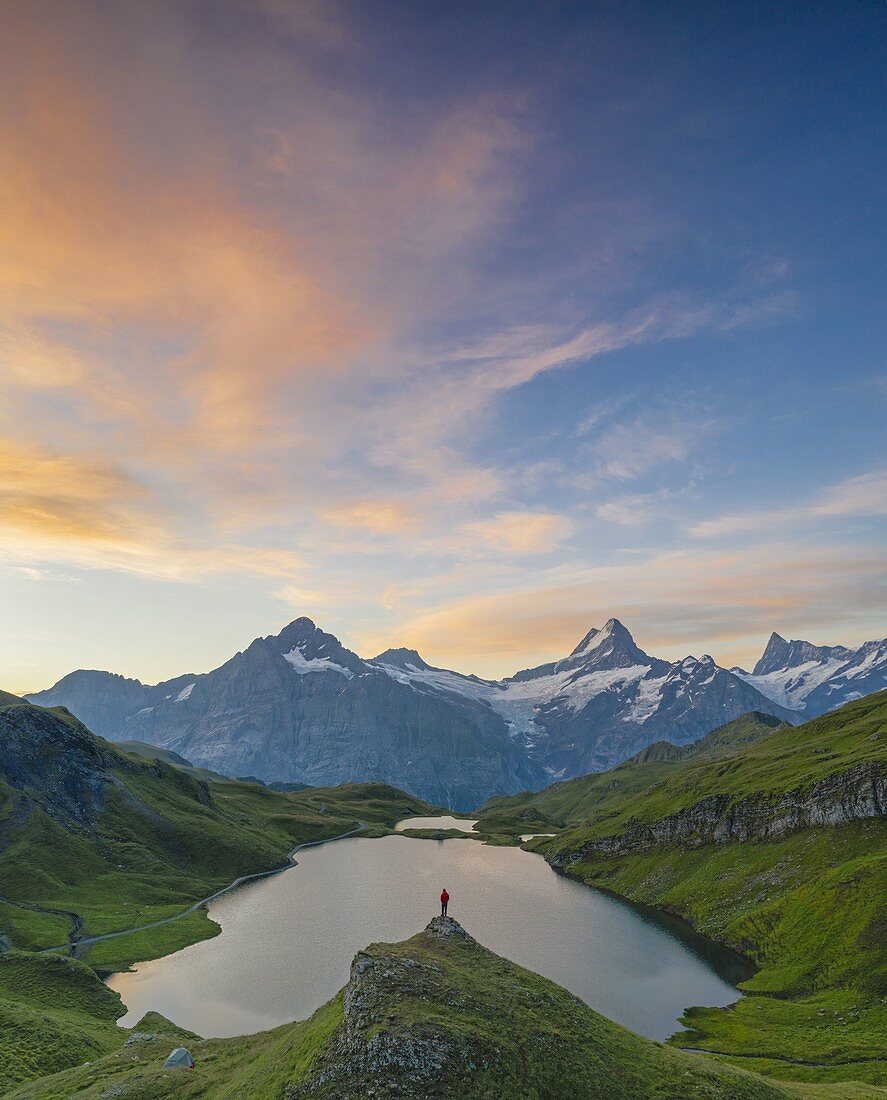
(301, 707)
(811, 680)
(854, 795)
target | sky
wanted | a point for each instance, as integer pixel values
(457, 326)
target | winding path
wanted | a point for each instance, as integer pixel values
(78, 944)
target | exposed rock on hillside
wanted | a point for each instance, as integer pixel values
(835, 800)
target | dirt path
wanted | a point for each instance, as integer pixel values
(78, 943)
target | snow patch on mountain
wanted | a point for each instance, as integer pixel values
(790, 686)
(303, 665)
(647, 700)
(437, 679)
(185, 693)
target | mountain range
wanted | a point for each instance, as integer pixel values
(300, 707)
(812, 679)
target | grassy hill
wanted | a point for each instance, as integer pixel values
(780, 850)
(436, 1016)
(94, 840)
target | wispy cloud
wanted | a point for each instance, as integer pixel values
(516, 533)
(722, 603)
(865, 495)
(657, 437)
(636, 509)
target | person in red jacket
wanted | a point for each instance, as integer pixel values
(444, 898)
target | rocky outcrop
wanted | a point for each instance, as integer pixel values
(58, 763)
(401, 1062)
(441, 1016)
(837, 799)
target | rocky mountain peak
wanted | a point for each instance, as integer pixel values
(774, 656)
(299, 630)
(303, 638)
(782, 654)
(611, 629)
(402, 658)
(608, 648)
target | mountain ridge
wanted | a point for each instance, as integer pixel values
(299, 706)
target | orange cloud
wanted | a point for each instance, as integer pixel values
(77, 509)
(95, 250)
(377, 516)
(517, 532)
(724, 604)
(59, 498)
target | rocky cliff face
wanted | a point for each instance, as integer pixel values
(853, 795)
(300, 707)
(56, 764)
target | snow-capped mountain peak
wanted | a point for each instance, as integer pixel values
(300, 705)
(780, 654)
(811, 679)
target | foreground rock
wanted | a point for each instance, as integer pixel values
(440, 1015)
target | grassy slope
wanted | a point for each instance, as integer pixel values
(791, 757)
(157, 840)
(808, 908)
(53, 1012)
(434, 1017)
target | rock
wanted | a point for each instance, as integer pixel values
(854, 795)
(139, 1037)
(445, 926)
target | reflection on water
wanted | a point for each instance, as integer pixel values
(287, 942)
(460, 823)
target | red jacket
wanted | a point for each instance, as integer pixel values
(444, 897)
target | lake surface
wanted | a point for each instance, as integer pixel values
(463, 824)
(287, 942)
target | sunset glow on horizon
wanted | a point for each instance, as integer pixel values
(459, 327)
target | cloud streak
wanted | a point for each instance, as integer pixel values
(863, 496)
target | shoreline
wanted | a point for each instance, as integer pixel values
(291, 861)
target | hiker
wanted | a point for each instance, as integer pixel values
(444, 898)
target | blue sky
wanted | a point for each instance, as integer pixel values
(456, 326)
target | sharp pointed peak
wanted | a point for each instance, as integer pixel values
(595, 637)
